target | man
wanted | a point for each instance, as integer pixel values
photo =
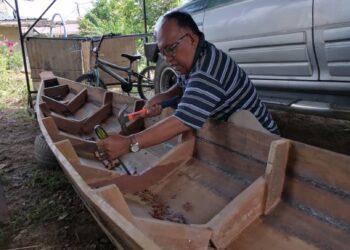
(210, 83)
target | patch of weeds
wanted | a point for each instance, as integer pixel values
(51, 180)
(17, 220)
(45, 211)
(2, 237)
(49, 199)
(4, 179)
(21, 114)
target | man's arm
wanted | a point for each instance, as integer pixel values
(161, 131)
(117, 145)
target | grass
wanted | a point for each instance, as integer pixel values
(51, 192)
(2, 237)
(13, 91)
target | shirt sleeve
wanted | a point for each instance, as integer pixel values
(202, 95)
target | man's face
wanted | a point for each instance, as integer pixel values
(177, 45)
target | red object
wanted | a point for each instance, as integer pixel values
(135, 115)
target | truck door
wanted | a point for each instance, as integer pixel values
(270, 39)
(332, 39)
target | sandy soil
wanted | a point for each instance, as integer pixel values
(45, 212)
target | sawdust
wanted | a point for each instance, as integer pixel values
(159, 209)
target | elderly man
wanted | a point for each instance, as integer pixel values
(211, 85)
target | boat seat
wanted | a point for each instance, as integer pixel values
(245, 119)
(131, 57)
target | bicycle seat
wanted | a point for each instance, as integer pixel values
(131, 57)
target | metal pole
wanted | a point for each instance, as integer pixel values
(37, 20)
(145, 25)
(145, 19)
(30, 101)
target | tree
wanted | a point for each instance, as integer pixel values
(123, 16)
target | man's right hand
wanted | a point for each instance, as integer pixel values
(153, 106)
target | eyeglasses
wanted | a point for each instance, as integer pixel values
(171, 49)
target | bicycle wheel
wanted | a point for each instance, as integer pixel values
(89, 79)
(145, 85)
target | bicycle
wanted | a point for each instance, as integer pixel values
(143, 81)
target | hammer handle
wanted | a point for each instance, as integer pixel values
(164, 104)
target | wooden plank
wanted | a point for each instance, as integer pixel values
(57, 92)
(56, 135)
(320, 165)
(61, 56)
(78, 101)
(238, 215)
(231, 162)
(197, 201)
(304, 225)
(116, 226)
(45, 75)
(56, 106)
(112, 195)
(260, 236)
(250, 143)
(85, 53)
(96, 118)
(198, 191)
(173, 236)
(275, 173)
(167, 164)
(90, 174)
(309, 195)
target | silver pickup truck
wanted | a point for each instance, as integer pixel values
(297, 52)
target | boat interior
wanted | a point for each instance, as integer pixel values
(220, 187)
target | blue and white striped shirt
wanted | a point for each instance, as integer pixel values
(215, 88)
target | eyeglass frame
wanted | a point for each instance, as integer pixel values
(171, 49)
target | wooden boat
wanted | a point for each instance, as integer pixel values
(218, 188)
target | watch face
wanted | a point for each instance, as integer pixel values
(135, 147)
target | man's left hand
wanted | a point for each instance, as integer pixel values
(114, 146)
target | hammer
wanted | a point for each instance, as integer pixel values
(124, 117)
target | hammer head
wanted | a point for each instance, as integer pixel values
(122, 117)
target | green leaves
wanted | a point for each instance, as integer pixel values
(123, 16)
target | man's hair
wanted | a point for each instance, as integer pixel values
(183, 20)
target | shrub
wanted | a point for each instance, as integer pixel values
(12, 85)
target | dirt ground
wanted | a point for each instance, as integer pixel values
(45, 212)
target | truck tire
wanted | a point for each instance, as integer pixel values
(165, 76)
(43, 154)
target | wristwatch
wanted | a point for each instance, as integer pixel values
(134, 145)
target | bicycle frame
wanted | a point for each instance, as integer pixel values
(106, 67)
(142, 81)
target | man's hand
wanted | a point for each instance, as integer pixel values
(114, 146)
(153, 107)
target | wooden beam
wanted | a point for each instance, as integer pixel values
(112, 195)
(320, 165)
(169, 235)
(263, 236)
(238, 214)
(275, 172)
(250, 143)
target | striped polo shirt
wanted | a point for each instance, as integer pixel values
(215, 88)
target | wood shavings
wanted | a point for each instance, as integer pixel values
(160, 210)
